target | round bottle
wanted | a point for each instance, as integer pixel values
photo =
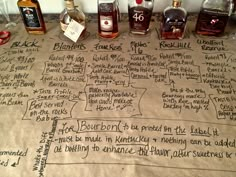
(71, 12)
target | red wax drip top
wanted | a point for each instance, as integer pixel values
(139, 1)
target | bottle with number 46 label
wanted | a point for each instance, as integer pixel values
(140, 13)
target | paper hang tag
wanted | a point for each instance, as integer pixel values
(74, 30)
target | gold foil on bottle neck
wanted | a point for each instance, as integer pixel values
(176, 3)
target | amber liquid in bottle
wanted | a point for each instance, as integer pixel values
(32, 16)
(107, 20)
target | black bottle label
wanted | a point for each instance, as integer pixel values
(139, 18)
(30, 17)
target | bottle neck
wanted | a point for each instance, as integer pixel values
(176, 3)
(69, 4)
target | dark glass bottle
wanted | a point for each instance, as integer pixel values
(140, 13)
(213, 17)
(173, 23)
(32, 16)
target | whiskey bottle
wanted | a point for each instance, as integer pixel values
(140, 13)
(213, 17)
(71, 12)
(108, 14)
(173, 23)
(32, 16)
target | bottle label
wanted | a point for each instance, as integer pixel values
(30, 17)
(74, 30)
(106, 23)
(139, 18)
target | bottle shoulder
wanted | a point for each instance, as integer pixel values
(173, 12)
(68, 14)
(218, 5)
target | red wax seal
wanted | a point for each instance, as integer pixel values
(4, 37)
(139, 1)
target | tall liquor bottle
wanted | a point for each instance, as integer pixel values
(140, 13)
(32, 16)
(173, 23)
(71, 12)
(213, 17)
(108, 18)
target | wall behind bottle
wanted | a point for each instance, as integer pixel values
(90, 6)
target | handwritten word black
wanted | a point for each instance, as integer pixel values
(25, 44)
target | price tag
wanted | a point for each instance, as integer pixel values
(74, 30)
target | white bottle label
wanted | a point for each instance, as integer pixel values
(74, 30)
(106, 23)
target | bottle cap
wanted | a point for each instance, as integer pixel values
(177, 3)
(139, 1)
(4, 37)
